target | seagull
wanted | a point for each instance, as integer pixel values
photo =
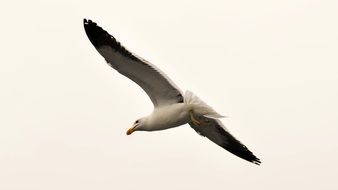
(172, 108)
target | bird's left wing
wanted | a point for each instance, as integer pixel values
(160, 89)
(214, 130)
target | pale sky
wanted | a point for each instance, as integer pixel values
(271, 66)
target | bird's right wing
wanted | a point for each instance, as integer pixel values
(214, 130)
(160, 89)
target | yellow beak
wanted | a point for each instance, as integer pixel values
(131, 130)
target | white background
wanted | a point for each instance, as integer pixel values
(271, 66)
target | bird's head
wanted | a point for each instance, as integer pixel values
(137, 126)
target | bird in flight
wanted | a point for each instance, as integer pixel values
(172, 108)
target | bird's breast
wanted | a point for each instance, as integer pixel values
(169, 116)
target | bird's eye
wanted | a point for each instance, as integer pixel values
(136, 121)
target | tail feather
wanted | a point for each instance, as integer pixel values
(214, 115)
(200, 107)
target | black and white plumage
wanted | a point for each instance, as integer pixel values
(172, 108)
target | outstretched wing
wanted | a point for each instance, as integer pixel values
(214, 130)
(160, 89)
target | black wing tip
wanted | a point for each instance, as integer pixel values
(89, 23)
(248, 156)
(256, 160)
(96, 34)
(99, 37)
(240, 150)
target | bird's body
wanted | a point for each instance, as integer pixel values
(167, 117)
(174, 115)
(172, 108)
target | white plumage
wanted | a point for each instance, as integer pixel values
(199, 107)
(174, 115)
(171, 107)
